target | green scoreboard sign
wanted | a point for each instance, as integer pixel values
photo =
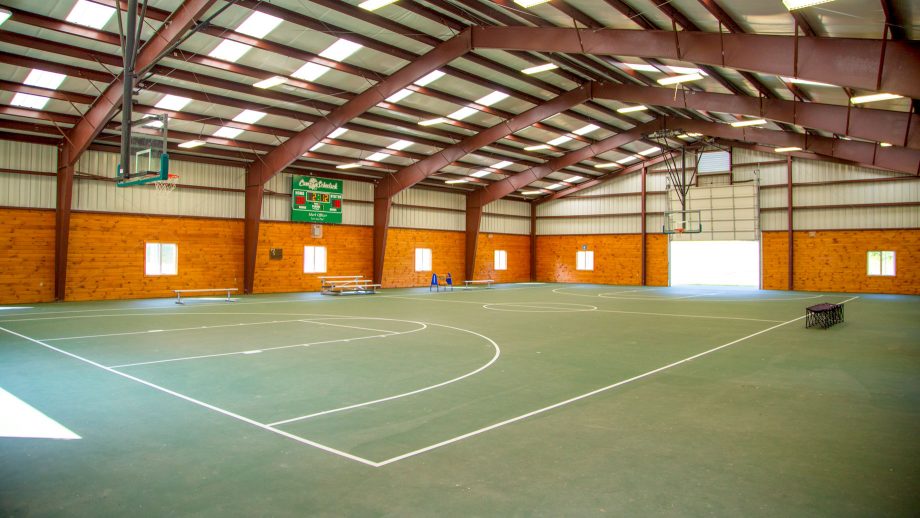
(316, 200)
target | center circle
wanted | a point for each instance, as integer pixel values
(540, 307)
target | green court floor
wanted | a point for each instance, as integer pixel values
(519, 400)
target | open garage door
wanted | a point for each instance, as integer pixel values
(720, 263)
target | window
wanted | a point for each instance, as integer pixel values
(501, 260)
(423, 259)
(162, 259)
(880, 263)
(584, 260)
(314, 259)
(714, 162)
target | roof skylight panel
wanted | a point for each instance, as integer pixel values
(399, 145)
(43, 79)
(229, 50)
(90, 14)
(340, 50)
(35, 102)
(376, 157)
(249, 116)
(310, 71)
(173, 102)
(492, 98)
(559, 140)
(228, 132)
(258, 25)
(430, 77)
(462, 113)
(584, 130)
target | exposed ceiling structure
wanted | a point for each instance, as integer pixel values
(477, 96)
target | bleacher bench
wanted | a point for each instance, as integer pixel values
(471, 282)
(203, 290)
(351, 284)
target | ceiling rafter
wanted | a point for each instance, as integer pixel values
(847, 62)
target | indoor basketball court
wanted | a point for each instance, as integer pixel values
(459, 258)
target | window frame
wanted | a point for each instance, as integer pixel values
(159, 251)
(880, 263)
(501, 260)
(314, 249)
(582, 258)
(425, 254)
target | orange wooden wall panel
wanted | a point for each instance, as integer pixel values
(518, 248)
(774, 251)
(106, 255)
(617, 259)
(26, 256)
(835, 260)
(447, 256)
(349, 251)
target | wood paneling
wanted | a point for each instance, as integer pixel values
(518, 248)
(835, 260)
(106, 256)
(617, 259)
(447, 250)
(26, 256)
(348, 252)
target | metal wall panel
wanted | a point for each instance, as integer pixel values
(511, 207)
(768, 174)
(631, 224)
(422, 208)
(889, 217)
(20, 190)
(504, 224)
(93, 195)
(26, 156)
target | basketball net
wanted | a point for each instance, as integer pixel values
(167, 186)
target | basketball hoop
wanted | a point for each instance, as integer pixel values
(679, 230)
(168, 185)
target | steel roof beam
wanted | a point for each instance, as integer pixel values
(411, 175)
(287, 152)
(507, 186)
(898, 128)
(900, 159)
(851, 62)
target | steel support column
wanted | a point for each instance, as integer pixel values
(473, 220)
(533, 242)
(382, 206)
(65, 170)
(644, 252)
(790, 284)
(254, 191)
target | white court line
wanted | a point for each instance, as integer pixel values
(355, 327)
(148, 331)
(676, 315)
(712, 317)
(585, 395)
(200, 403)
(249, 351)
(495, 357)
(240, 303)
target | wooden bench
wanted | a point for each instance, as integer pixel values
(203, 290)
(353, 284)
(470, 282)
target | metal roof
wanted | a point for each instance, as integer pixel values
(411, 32)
